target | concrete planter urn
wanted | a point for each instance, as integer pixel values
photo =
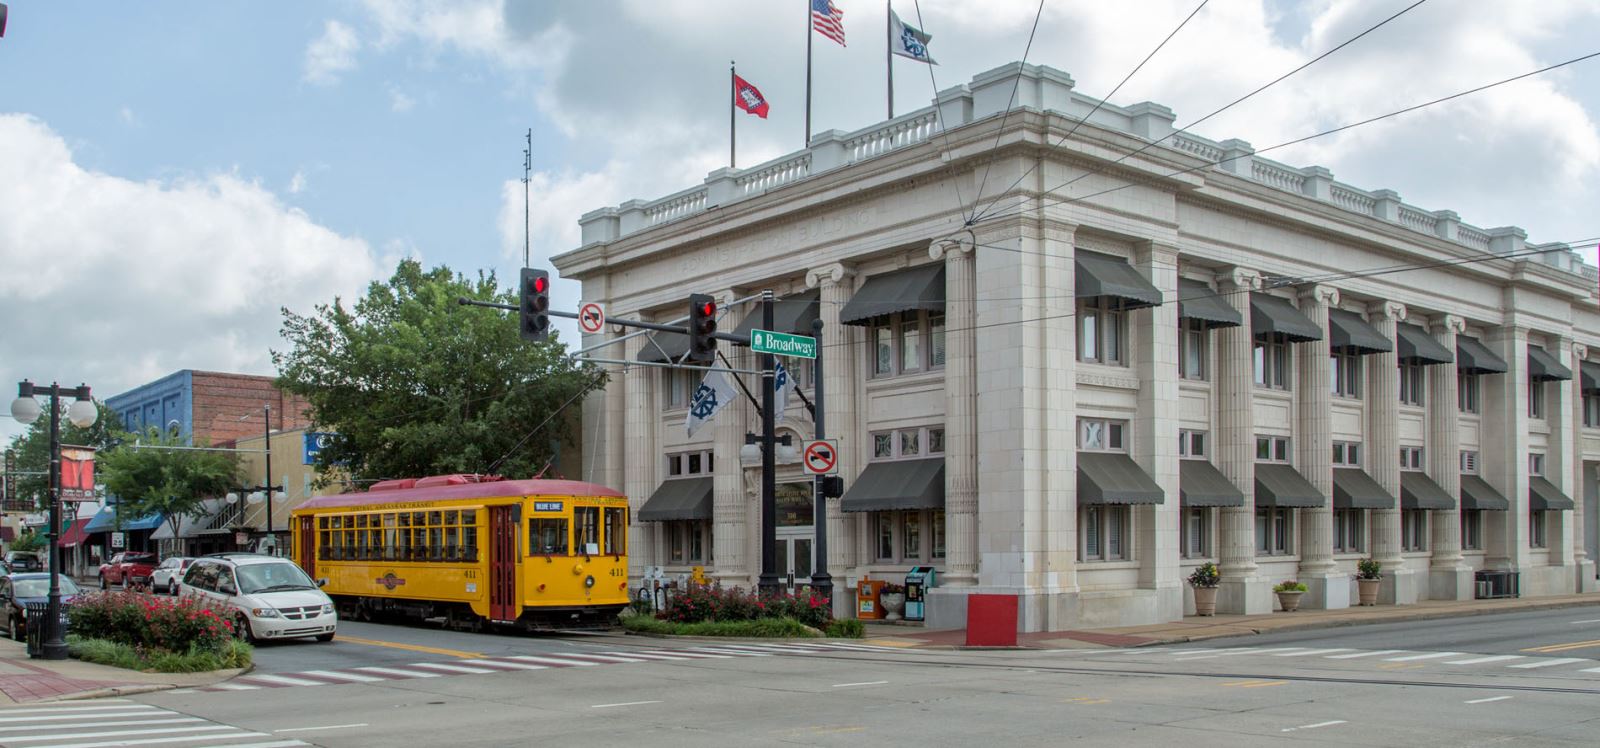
(1205, 601)
(893, 604)
(1367, 589)
(1289, 601)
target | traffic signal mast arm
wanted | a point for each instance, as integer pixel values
(680, 329)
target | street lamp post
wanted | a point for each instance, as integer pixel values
(82, 413)
(254, 494)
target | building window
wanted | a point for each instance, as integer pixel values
(1346, 454)
(1272, 449)
(907, 443)
(1413, 380)
(908, 536)
(688, 464)
(1467, 392)
(1274, 532)
(1102, 331)
(1411, 458)
(1349, 529)
(1591, 409)
(689, 542)
(1536, 400)
(1103, 533)
(1272, 363)
(1196, 530)
(1536, 536)
(1193, 338)
(1469, 462)
(1471, 530)
(1344, 373)
(1414, 530)
(907, 343)
(1536, 464)
(1192, 445)
(1101, 435)
(677, 388)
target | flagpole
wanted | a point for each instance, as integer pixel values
(807, 133)
(733, 127)
(888, 50)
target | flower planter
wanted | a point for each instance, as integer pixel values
(1368, 590)
(893, 603)
(1290, 601)
(1205, 601)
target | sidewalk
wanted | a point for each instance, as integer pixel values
(24, 680)
(1195, 628)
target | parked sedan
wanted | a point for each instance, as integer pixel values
(169, 574)
(17, 590)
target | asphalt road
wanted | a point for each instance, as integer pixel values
(1572, 630)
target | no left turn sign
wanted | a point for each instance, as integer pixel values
(821, 457)
(591, 317)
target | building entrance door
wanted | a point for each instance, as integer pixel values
(795, 559)
(795, 533)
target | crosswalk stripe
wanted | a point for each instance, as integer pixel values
(1423, 656)
(1481, 660)
(687, 653)
(278, 680)
(1312, 652)
(553, 661)
(109, 706)
(273, 744)
(58, 717)
(505, 664)
(1590, 670)
(1354, 655)
(397, 672)
(1548, 663)
(449, 668)
(720, 650)
(775, 648)
(166, 720)
(648, 656)
(148, 741)
(236, 687)
(336, 675)
(602, 657)
(118, 733)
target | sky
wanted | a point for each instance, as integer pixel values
(173, 174)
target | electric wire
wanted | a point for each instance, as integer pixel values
(1011, 103)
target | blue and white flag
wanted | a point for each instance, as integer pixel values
(713, 394)
(908, 41)
(782, 383)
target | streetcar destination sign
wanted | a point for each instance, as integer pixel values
(783, 344)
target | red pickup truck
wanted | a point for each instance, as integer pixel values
(128, 569)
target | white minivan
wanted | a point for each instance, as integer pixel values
(271, 597)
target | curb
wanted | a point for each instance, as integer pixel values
(101, 693)
(1342, 623)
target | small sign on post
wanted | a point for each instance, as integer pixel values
(783, 344)
(820, 457)
(119, 540)
(591, 317)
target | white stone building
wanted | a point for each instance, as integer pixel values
(1128, 365)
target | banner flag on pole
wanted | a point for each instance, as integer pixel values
(748, 97)
(828, 20)
(713, 394)
(782, 383)
(908, 41)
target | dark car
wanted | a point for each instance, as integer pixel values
(20, 561)
(17, 590)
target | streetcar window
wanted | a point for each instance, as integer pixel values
(405, 519)
(588, 520)
(469, 517)
(616, 531)
(451, 540)
(322, 523)
(469, 541)
(388, 537)
(547, 537)
(450, 518)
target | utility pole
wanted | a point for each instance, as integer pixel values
(820, 579)
(768, 583)
(527, 176)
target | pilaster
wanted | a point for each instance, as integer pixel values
(643, 456)
(835, 283)
(1561, 454)
(1242, 589)
(960, 402)
(1504, 452)
(728, 507)
(1580, 553)
(1449, 577)
(1156, 431)
(1383, 448)
(1314, 445)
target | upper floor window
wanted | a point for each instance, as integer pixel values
(687, 464)
(1469, 462)
(1101, 435)
(1344, 373)
(1103, 533)
(907, 443)
(1536, 399)
(907, 343)
(1272, 363)
(1194, 349)
(1536, 464)
(1102, 331)
(1591, 409)
(1347, 454)
(1413, 380)
(1467, 393)
(1272, 449)
(1192, 445)
(677, 387)
(1411, 458)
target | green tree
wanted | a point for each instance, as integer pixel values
(152, 477)
(33, 446)
(415, 384)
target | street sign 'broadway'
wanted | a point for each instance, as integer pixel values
(783, 344)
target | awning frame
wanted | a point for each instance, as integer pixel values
(1348, 332)
(1543, 366)
(1098, 275)
(1279, 485)
(1114, 479)
(1353, 488)
(897, 485)
(679, 500)
(1271, 315)
(919, 288)
(1473, 357)
(1197, 301)
(1416, 346)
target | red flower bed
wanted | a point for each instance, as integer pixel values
(146, 622)
(708, 603)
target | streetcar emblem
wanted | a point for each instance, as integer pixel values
(390, 581)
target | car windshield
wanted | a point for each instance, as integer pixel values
(41, 587)
(271, 577)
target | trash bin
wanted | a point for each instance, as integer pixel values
(918, 580)
(36, 612)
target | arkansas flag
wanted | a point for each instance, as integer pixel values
(749, 98)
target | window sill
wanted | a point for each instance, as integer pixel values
(890, 380)
(1098, 565)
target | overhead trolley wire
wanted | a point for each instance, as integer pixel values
(1011, 103)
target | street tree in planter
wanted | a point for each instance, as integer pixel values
(1369, 575)
(151, 478)
(1205, 579)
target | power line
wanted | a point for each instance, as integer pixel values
(938, 111)
(1011, 103)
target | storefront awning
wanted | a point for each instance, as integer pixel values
(1197, 301)
(1270, 315)
(188, 525)
(106, 521)
(1418, 491)
(919, 288)
(1349, 333)
(678, 499)
(1543, 496)
(1100, 275)
(664, 347)
(1114, 478)
(1473, 357)
(1543, 367)
(791, 314)
(1354, 489)
(75, 534)
(1478, 496)
(1201, 484)
(900, 484)
(1418, 347)
(1589, 373)
(1281, 486)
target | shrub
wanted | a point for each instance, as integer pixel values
(781, 628)
(846, 628)
(1290, 585)
(151, 623)
(1206, 575)
(1369, 569)
(233, 654)
(699, 604)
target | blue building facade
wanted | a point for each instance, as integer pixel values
(164, 403)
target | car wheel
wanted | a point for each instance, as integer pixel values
(324, 637)
(103, 584)
(14, 630)
(241, 629)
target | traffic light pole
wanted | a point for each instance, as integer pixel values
(821, 581)
(768, 583)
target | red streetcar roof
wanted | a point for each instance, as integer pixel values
(488, 489)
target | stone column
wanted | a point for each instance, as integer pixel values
(1449, 577)
(1504, 450)
(643, 453)
(835, 285)
(1580, 549)
(1561, 454)
(1156, 432)
(1242, 589)
(728, 507)
(960, 415)
(1314, 448)
(1383, 452)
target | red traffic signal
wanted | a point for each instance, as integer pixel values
(534, 309)
(702, 329)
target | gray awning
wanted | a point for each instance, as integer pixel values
(1197, 301)
(1418, 347)
(1589, 372)
(1200, 483)
(791, 314)
(919, 288)
(898, 484)
(678, 499)
(1114, 478)
(1473, 357)
(188, 525)
(1270, 315)
(1418, 491)
(664, 347)
(1478, 496)
(1280, 485)
(1354, 489)
(1348, 332)
(1103, 275)
(1543, 496)
(1543, 367)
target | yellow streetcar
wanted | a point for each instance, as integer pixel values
(471, 549)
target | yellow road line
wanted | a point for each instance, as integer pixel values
(411, 647)
(900, 643)
(1086, 700)
(1565, 647)
(1256, 683)
(1400, 666)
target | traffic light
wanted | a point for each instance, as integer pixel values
(535, 304)
(702, 326)
(832, 486)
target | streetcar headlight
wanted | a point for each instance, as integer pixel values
(264, 612)
(588, 581)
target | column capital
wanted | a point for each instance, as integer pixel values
(828, 274)
(1240, 278)
(1321, 293)
(963, 242)
(1580, 351)
(1388, 310)
(1452, 324)
(1156, 251)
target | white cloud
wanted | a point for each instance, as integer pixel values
(127, 116)
(332, 54)
(297, 183)
(116, 282)
(399, 101)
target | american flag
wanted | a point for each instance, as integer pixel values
(828, 20)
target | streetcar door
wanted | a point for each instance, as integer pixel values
(502, 564)
(308, 546)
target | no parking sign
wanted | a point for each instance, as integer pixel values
(821, 457)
